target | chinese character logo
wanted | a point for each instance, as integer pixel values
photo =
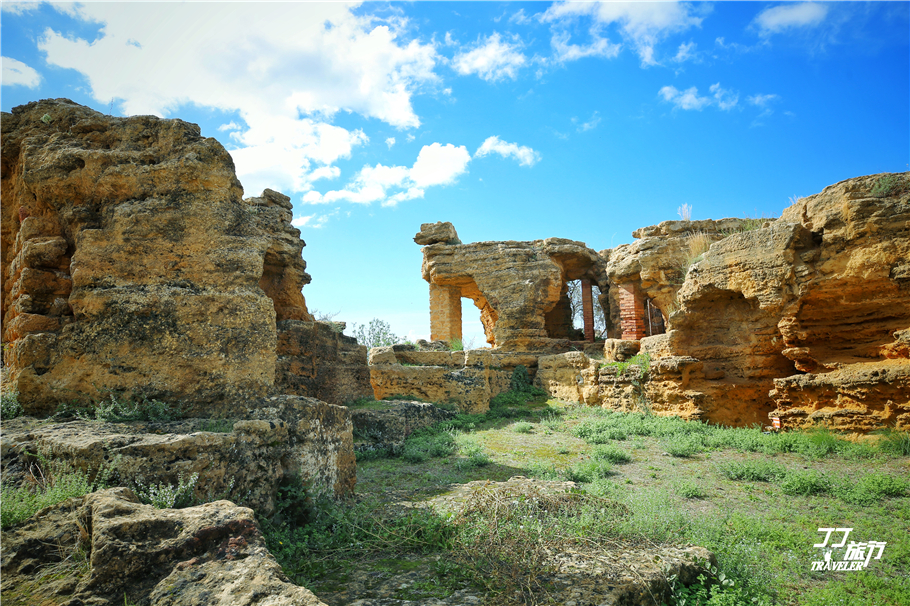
(856, 556)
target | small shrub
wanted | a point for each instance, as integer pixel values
(804, 483)
(885, 186)
(52, 482)
(589, 471)
(10, 408)
(456, 345)
(752, 471)
(612, 454)
(167, 496)
(474, 453)
(689, 490)
(117, 409)
(685, 212)
(522, 427)
(217, 426)
(682, 446)
(895, 443)
(420, 448)
(375, 334)
(871, 489)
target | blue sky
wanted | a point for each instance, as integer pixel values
(513, 120)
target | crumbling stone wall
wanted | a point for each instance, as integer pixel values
(519, 287)
(804, 318)
(132, 264)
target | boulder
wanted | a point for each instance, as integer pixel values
(210, 554)
(437, 233)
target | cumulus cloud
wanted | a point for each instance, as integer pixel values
(689, 99)
(390, 142)
(229, 126)
(642, 24)
(17, 73)
(286, 68)
(491, 59)
(494, 145)
(784, 17)
(436, 164)
(439, 164)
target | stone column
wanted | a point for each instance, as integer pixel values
(445, 313)
(587, 308)
(632, 312)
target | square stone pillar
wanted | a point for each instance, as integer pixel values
(632, 312)
(445, 313)
(587, 309)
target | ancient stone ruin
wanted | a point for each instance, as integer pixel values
(805, 318)
(134, 269)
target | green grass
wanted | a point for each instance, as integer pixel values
(754, 499)
(49, 482)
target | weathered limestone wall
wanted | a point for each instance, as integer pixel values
(468, 379)
(804, 318)
(316, 360)
(132, 264)
(445, 313)
(519, 287)
(275, 440)
(131, 261)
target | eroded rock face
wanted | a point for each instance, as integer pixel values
(210, 554)
(278, 440)
(131, 263)
(131, 260)
(804, 319)
(519, 287)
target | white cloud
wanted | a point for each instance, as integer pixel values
(686, 52)
(494, 145)
(520, 17)
(777, 19)
(18, 8)
(492, 59)
(642, 24)
(687, 99)
(565, 52)
(762, 100)
(390, 142)
(439, 164)
(314, 221)
(690, 100)
(17, 73)
(723, 98)
(229, 126)
(435, 165)
(286, 68)
(590, 124)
